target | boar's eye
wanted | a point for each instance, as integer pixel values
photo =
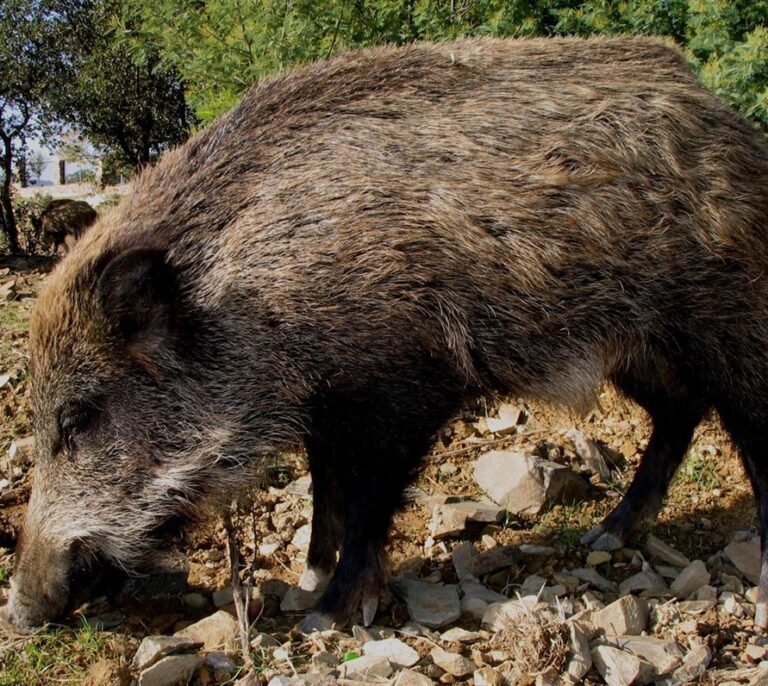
(72, 421)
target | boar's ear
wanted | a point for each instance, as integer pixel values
(138, 294)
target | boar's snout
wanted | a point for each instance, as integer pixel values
(40, 584)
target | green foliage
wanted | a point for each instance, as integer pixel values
(220, 47)
(132, 107)
(28, 66)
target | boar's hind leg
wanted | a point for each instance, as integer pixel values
(675, 412)
(750, 435)
(327, 520)
(372, 444)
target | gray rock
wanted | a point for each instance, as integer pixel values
(301, 487)
(628, 615)
(454, 664)
(595, 579)
(432, 605)
(400, 654)
(366, 667)
(218, 631)
(745, 556)
(471, 588)
(694, 665)
(619, 668)
(22, 451)
(458, 634)
(153, 648)
(488, 676)
(221, 665)
(691, 579)
(509, 417)
(580, 661)
(655, 547)
(222, 597)
(598, 557)
(408, 677)
(590, 454)
(664, 655)
(492, 560)
(526, 484)
(452, 518)
(461, 557)
(298, 600)
(170, 671)
(301, 537)
(642, 581)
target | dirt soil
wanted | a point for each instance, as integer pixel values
(709, 500)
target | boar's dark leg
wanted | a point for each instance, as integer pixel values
(372, 442)
(675, 412)
(750, 437)
(327, 519)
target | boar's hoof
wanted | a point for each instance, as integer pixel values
(600, 539)
(313, 579)
(315, 621)
(370, 605)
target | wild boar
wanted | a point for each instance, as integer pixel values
(64, 221)
(363, 244)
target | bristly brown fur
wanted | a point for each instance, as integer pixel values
(365, 242)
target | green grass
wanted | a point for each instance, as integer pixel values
(698, 470)
(58, 655)
(14, 318)
(5, 575)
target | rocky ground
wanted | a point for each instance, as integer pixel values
(490, 583)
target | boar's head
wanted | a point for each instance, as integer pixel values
(136, 421)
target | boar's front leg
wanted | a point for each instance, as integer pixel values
(371, 442)
(327, 519)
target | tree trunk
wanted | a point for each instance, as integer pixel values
(62, 172)
(22, 170)
(9, 219)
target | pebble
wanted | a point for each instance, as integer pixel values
(627, 615)
(170, 671)
(456, 665)
(367, 667)
(488, 676)
(400, 654)
(432, 605)
(596, 580)
(664, 655)
(642, 581)
(526, 484)
(154, 648)
(693, 577)
(218, 631)
(580, 661)
(655, 547)
(745, 556)
(598, 557)
(298, 600)
(619, 668)
(409, 677)
(694, 664)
